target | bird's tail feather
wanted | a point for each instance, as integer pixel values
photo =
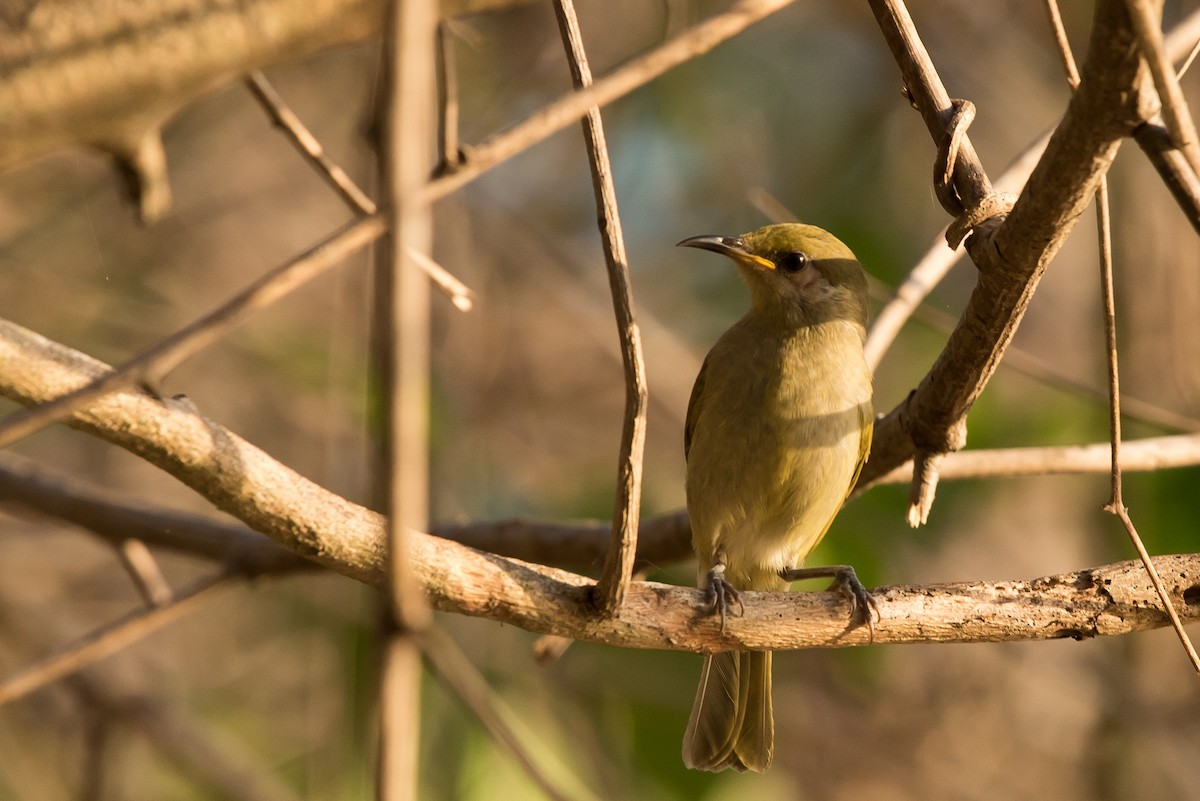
(732, 725)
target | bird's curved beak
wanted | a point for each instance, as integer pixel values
(731, 246)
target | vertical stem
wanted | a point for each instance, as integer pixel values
(618, 563)
(1146, 18)
(1108, 297)
(447, 98)
(406, 146)
(1115, 505)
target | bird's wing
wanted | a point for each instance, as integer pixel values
(867, 419)
(693, 410)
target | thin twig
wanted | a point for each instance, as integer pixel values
(307, 143)
(618, 563)
(98, 728)
(1147, 23)
(1143, 455)
(637, 72)
(26, 485)
(448, 147)
(1116, 503)
(457, 674)
(110, 639)
(1063, 45)
(198, 748)
(405, 146)
(1104, 233)
(1172, 165)
(352, 193)
(924, 88)
(1187, 62)
(152, 364)
(459, 293)
(143, 569)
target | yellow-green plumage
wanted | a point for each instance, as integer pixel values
(778, 427)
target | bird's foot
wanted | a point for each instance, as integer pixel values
(720, 595)
(863, 609)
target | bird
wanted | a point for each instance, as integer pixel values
(778, 427)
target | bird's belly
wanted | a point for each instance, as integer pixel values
(766, 511)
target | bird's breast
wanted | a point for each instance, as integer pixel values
(775, 444)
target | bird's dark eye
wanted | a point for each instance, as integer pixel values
(793, 262)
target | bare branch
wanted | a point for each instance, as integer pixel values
(24, 484)
(143, 569)
(1146, 18)
(447, 98)
(1104, 235)
(405, 144)
(307, 143)
(1116, 504)
(75, 75)
(76, 72)
(1172, 166)
(618, 564)
(938, 260)
(239, 478)
(638, 72)
(1011, 255)
(459, 293)
(152, 364)
(109, 640)
(451, 665)
(1143, 455)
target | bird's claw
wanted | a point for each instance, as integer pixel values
(863, 609)
(720, 595)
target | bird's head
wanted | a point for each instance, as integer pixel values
(800, 273)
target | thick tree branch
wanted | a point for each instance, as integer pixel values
(1012, 255)
(241, 479)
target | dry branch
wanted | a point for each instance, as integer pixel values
(239, 478)
(578, 545)
(75, 73)
(618, 563)
(1011, 254)
(25, 485)
(558, 115)
(1154, 141)
(151, 365)
(110, 639)
(407, 117)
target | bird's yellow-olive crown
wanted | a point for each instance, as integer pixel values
(801, 271)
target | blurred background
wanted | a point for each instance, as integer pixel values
(805, 109)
